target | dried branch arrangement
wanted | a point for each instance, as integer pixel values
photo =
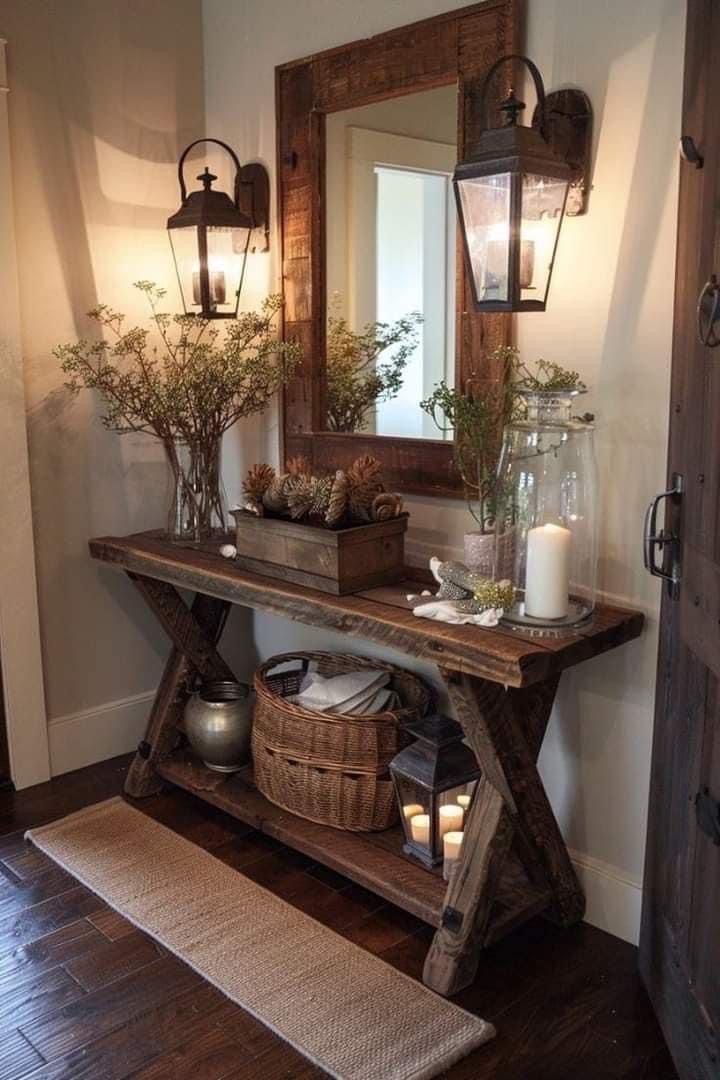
(353, 497)
(184, 377)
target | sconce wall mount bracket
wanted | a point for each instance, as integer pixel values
(568, 130)
(254, 198)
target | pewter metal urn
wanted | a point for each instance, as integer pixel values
(218, 723)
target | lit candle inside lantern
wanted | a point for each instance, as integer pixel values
(420, 829)
(450, 818)
(412, 810)
(547, 578)
(527, 263)
(497, 259)
(464, 801)
(452, 843)
(217, 287)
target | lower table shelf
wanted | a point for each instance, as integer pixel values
(374, 860)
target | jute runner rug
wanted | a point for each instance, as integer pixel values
(344, 1009)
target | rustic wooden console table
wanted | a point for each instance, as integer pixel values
(502, 685)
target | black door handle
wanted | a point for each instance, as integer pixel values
(708, 308)
(689, 151)
(654, 541)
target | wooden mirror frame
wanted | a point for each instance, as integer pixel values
(455, 48)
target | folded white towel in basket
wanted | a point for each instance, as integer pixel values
(354, 692)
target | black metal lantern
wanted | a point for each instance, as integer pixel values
(512, 194)
(435, 779)
(210, 236)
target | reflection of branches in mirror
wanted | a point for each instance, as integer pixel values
(355, 381)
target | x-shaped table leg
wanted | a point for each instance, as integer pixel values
(505, 728)
(194, 633)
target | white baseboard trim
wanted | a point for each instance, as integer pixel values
(96, 734)
(614, 899)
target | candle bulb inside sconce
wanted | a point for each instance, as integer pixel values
(218, 291)
(496, 263)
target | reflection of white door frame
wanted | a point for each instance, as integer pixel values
(366, 149)
(20, 654)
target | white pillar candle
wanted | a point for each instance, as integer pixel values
(450, 818)
(420, 829)
(452, 843)
(412, 810)
(547, 577)
(464, 801)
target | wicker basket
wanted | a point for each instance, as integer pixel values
(328, 767)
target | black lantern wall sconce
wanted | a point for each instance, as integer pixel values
(513, 192)
(210, 236)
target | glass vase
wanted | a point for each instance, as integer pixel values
(547, 494)
(198, 507)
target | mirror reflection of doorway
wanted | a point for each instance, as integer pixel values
(415, 271)
(391, 242)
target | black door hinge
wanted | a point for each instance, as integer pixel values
(707, 812)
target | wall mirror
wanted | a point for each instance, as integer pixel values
(390, 258)
(368, 137)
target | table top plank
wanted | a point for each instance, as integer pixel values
(381, 615)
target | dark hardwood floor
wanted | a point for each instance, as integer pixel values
(84, 995)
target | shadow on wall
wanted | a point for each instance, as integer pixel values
(106, 90)
(104, 98)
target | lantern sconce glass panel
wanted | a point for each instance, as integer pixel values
(211, 233)
(513, 193)
(435, 778)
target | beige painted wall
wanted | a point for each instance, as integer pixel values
(609, 316)
(104, 96)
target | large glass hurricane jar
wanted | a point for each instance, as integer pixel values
(547, 514)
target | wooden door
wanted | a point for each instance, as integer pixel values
(680, 937)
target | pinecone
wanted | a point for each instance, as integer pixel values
(386, 505)
(257, 482)
(365, 484)
(338, 500)
(300, 494)
(299, 466)
(275, 497)
(366, 469)
(322, 488)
